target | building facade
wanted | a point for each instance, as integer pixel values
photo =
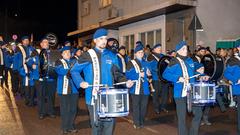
(150, 21)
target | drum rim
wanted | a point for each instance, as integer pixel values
(112, 92)
(203, 84)
(116, 114)
(215, 66)
(159, 75)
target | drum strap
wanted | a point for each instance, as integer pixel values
(185, 75)
(76, 57)
(138, 82)
(123, 62)
(1, 57)
(96, 74)
(65, 79)
(198, 58)
(155, 57)
(24, 63)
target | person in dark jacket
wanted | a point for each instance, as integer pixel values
(46, 83)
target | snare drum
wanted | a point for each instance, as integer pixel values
(203, 93)
(112, 102)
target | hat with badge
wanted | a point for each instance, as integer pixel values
(64, 48)
(180, 45)
(25, 37)
(138, 48)
(99, 33)
(156, 46)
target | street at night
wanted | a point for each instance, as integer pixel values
(17, 119)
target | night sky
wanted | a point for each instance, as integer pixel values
(39, 17)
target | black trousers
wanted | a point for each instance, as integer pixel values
(6, 76)
(164, 94)
(32, 90)
(220, 102)
(206, 110)
(26, 94)
(1, 74)
(139, 105)
(104, 126)
(162, 90)
(15, 81)
(68, 110)
(181, 106)
(46, 90)
(238, 114)
(155, 95)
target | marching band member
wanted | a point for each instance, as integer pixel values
(179, 71)
(32, 63)
(138, 69)
(100, 66)
(67, 92)
(232, 73)
(200, 52)
(77, 53)
(123, 58)
(47, 82)
(2, 44)
(26, 51)
(7, 56)
(158, 85)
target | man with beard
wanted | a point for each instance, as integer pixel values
(100, 66)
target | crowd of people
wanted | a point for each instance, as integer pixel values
(34, 74)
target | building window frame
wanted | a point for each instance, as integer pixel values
(129, 42)
(145, 33)
(86, 5)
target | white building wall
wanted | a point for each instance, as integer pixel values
(144, 26)
(220, 20)
(124, 7)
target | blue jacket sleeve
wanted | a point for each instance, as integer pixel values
(75, 72)
(229, 74)
(170, 73)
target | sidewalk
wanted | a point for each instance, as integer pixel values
(10, 122)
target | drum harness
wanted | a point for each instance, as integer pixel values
(96, 84)
(123, 62)
(24, 63)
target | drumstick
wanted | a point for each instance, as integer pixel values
(124, 82)
(191, 77)
(100, 85)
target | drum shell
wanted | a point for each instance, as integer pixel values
(213, 66)
(203, 93)
(113, 103)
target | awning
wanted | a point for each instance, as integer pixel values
(153, 11)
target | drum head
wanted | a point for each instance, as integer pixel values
(162, 65)
(213, 66)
